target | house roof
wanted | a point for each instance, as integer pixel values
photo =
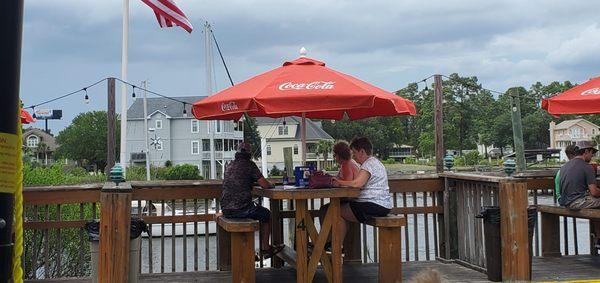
(569, 123)
(167, 106)
(314, 130)
(46, 138)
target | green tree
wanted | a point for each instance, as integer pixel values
(252, 136)
(324, 147)
(85, 139)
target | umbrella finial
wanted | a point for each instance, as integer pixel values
(303, 52)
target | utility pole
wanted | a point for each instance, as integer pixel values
(517, 129)
(145, 86)
(11, 30)
(110, 126)
(439, 124)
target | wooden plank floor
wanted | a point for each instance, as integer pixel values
(544, 269)
(352, 273)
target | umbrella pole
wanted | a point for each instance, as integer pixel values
(303, 137)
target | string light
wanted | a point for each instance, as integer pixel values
(133, 93)
(426, 86)
(284, 121)
(86, 98)
(184, 111)
(33, 110)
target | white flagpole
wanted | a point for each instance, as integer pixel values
(209, 92)
(124, 53)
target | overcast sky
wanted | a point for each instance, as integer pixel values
(68, 44)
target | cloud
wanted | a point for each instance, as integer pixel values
(69, 43)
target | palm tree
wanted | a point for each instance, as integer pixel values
(324, 147)
(43, 148)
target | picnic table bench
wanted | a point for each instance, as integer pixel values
(236, 241)
(390, 246)
(551, 226)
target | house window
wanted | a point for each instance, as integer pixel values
(240, 126)
(218, 145)
(576, 133)
(205, 145)
(195, 126)
(158, 124)
(296, 149)
(283, 130)
(195, 147)
(159, 145)
(268, 150)
(218, 126)
(33, 141)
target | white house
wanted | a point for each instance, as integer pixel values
(178, 137)
(280, 136)
(570, 131)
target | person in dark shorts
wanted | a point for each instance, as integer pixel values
(578, 189)
(375, 198)
(236, 199)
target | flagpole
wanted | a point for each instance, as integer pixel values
(124, 55)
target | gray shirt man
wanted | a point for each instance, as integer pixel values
(575, 177)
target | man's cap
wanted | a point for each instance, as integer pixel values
(581, 145)
(243, 147)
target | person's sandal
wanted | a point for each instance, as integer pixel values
(269, 253)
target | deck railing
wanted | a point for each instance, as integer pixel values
(574, 232)
(57, 246)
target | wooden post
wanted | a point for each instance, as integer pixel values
(551, 235)
(513, 230)
(390, 254)
(441, 220)
(439, 124)
(115, 222)
(517, 129)
(276, 229)
(223, 249)
(450, 221)
(243, 245)
(336, 241)
(301, 242)
(111, 121)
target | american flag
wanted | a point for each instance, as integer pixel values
(168, 14)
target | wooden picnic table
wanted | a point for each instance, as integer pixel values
(305, 228)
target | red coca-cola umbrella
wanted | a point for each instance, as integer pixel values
(582, 99)
(303, 87)
(26, 118)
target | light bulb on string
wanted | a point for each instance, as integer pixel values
(184, 111)
(133, 93)
(284, 121)
(426, 87)
(33, 110)
(86, 98)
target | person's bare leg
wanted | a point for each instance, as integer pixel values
(265, 232)
(347, 215)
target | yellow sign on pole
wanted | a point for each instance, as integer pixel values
(9, 156)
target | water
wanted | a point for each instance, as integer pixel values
(419, 233)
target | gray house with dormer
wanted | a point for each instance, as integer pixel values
(175, 135)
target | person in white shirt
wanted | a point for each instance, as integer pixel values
(375, 198)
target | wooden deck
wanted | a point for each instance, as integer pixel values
(544, 269)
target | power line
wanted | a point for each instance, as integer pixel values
(65, 95)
